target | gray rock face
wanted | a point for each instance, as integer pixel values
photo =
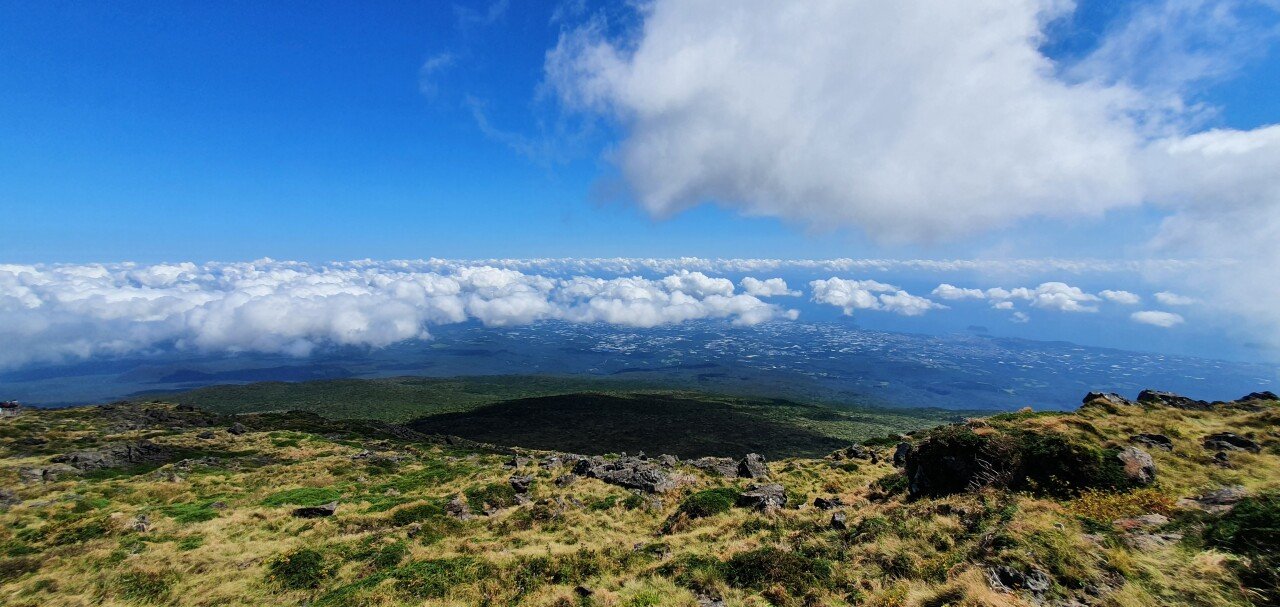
(8, 498)
(628, 472)
(1110, 398)
(321, 511)
(722, 466)
(753, 466)
(855, 451)
(839, 520)
(900, 454)
(765, 497)
(1157, 441)
(566, 480)
(1230, 441)
(520, 483)
(458, 508)
(517, 462)
(46, 474)
(1138, 465)
(1216, 501)
(1169, 399)
(114, 456)
(1007, 579)
(1141, 523)
(237, 429)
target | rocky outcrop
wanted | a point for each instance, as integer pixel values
(753, 466)
(855, 451)
(839, 520)
(827, 503)
(764, 497)
(722, 466)
(628, 472)
(1008, 579)
(115, 456)
(1169, 399)
(1139, 468)
(1215, 501)
(46, 474)
(1264, 395)
(237, 429)
(1230, 441)
(1110, 398)
(520, 483)
(458, 508)
(900, 453)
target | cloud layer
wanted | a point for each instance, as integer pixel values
(917, 121)
(60, 313)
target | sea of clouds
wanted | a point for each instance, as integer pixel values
(60, 313)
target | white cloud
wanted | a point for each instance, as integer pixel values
(767, 288)
(1120, 297)
(1173, 299)
(1049, 295)
(850, 295)
(59, 313)
(946, 291)
(1157, 318)
(916, 120)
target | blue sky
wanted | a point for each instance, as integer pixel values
(191, 131)
(319, 132)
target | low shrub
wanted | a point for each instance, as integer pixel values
(496, 495)
(1106, 506)
(190, 513)
(298, 570)
(1252, 530)
(416, 513)
(709, 502)
(434, 578)
(769, 566)
(696, 572)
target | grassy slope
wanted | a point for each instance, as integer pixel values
(71, 542)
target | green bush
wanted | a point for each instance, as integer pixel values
(709, 503)
(434, 578)
(303, 496)
(496, 495)
(696, 572)
(301, 569)
(416, 513)
(766, 567)
(14, 568)
(190, 513)
(1252, 530)
(892, 483)
(390, 555)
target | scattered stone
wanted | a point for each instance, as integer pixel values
(827, 503)
(583, 591)
(520, 483)
(1008, 579)
(516, 462)
(1169, 399)
(458, 508)
(668, 460)
(237, 429)
(8, 498)
(47, 474)
(1215, 501)
(839, 520)
(205, 435)
(855, 451)
(566, 480)
(753, 466)
(218, 505)
(1253, 396)
(705, 600)
(547, 509)
(1158, 441)
(316, 511)
(552, 461)
(1141, 523)
(1146, 542)
(765, 497)
(1138, 465)
(1110, 398)
(722, 466)
(1230, 441)
(900, 454)
(141, 523)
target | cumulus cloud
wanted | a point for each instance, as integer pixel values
(915, 121)
(1057, 296)
(1120, 297)
(1157, 318)
(57, 313)
(1173, 299)
(850, 295)
(767, 288)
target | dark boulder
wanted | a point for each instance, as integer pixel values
(900, 454)
(764, 497)
(827, 503)
(237, 429)
(520, 483)
(839, 520)
(1169, 399)
(855, 451)
(1157, 441)
(566, 480)
(722, 466)
(753, 466)
(1229, 441)
(321, 511)
(458, 508)
(628, 472)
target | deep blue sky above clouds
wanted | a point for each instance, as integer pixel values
(182, 131)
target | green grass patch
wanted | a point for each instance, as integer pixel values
(302, 496)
